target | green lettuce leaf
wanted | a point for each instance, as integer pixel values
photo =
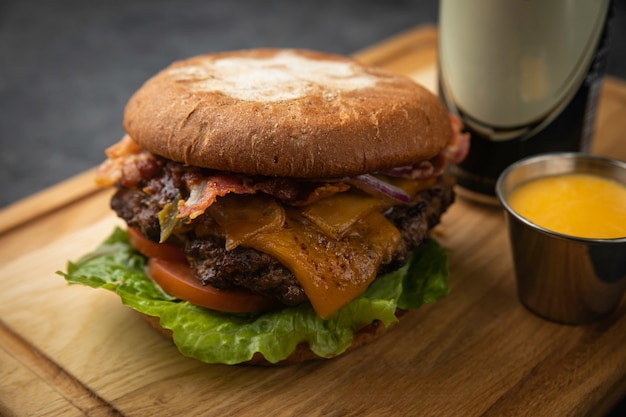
(215, 337)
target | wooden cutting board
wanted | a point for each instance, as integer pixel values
(77, 351)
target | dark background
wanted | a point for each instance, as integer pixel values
(67, 67)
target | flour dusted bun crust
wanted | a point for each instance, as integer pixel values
(289, 113)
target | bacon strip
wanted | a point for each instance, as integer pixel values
(205, 190)
(458, 146)
(204, 193)
(127, 164)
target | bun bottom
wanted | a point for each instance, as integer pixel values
(302, 353)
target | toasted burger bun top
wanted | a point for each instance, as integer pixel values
(289, 113)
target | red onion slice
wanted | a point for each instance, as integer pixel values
(403, 171)
(368, 182)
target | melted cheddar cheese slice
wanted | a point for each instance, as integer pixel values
(332, 272)
(334, 247)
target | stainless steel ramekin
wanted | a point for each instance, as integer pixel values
(564, 278)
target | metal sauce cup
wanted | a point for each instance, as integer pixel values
(564, 278)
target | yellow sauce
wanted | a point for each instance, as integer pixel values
(580, 205)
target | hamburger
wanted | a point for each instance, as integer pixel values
(278, 204)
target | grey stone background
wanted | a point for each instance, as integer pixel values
(67, 67)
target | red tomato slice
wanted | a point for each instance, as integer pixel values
(152, 249)
(167, 266)
(178, 279)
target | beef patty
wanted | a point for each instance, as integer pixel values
(246, 267)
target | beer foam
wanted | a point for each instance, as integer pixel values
(284, 76)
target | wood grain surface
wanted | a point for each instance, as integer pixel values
(71, 350)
